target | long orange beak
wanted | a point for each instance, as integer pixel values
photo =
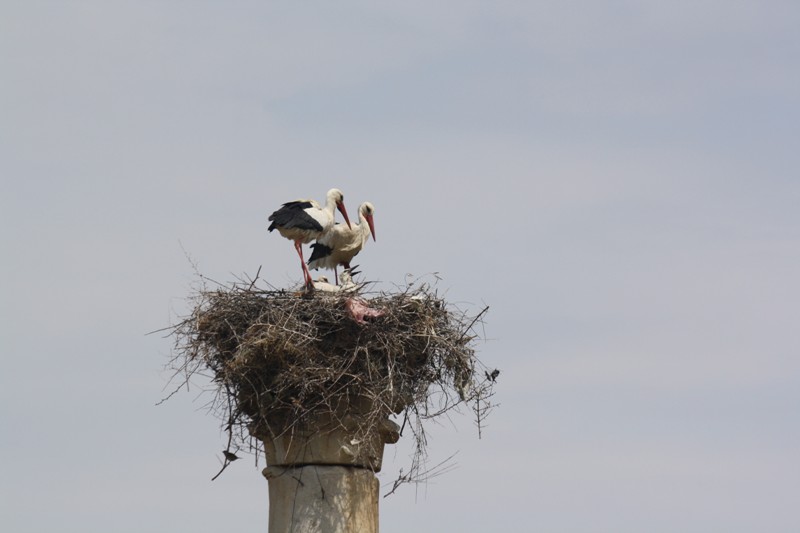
(371, 226)
(343, 211)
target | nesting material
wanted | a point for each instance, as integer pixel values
(278, 359)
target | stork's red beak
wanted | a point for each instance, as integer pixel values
(343, 211)
(371, 226)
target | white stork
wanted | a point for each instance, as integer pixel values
(340, 245)
(347, 285)
(322, 284)
(302, 221)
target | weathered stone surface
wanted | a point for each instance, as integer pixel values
(322, 499)
(321, 473)
(335, 446)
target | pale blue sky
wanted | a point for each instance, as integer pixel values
(617, 180)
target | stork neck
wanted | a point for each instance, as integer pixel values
(363, 226)
(330, 205)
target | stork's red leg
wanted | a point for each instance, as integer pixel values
(298, 245)
(309, 281)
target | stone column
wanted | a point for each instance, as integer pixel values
(322, 499)
(322, 475)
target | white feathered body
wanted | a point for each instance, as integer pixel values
(304, 220)
(341, 244)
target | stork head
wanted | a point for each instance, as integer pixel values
(336, 196)
(367, 210)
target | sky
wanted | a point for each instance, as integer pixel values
(617, 181)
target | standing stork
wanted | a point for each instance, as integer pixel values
(340, 245)
(302, 221)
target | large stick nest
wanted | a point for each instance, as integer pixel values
(275, 357)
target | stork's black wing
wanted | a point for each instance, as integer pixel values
(293, 215)
(319, 251)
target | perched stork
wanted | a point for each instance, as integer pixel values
(302, 221)
(322, 284)
(341, 244)
(347, 284)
